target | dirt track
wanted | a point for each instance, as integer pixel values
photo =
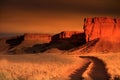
(95, 70)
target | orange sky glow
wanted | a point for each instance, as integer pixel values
(15, 19)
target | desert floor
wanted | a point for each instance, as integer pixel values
(92, 66)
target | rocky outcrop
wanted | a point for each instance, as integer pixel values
(44, 38)
(104, 28)
(14, 41)
(47, 38)
(65, 35)
(68, 39)
(68, 34)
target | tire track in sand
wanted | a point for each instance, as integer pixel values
(77, 75)
(95, 68)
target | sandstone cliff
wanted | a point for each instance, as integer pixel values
(45, 38)
(65, 35)
(104, 28)
(107, 30)
(68, 34)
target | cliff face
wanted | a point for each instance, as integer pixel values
(45, 38)
(68, 34)
(64, 35)
(104, 28)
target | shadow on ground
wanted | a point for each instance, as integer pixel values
(77, 75)
(62, 44)
(98, 70)
(15, 41)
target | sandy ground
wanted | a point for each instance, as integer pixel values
(60, 67)
(39, 66)
(111, 61)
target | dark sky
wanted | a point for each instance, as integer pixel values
(51, 16)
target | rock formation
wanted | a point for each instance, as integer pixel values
(107, 30)
(104, 28)
(68, 34)
(45, 38)
(65, 35)
(68, 39)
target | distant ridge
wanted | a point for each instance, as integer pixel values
(3, 35)
(39, 43)
(101, 34)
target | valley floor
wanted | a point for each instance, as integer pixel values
(92, 66)
(111, 61)
(39, 66)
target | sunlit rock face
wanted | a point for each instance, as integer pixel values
(104, 28)
(70, 37)
(74, 35)
(45, 38)
(68, 34)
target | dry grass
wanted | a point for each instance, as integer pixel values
(38, 67)
(112, 61)
(51, 66)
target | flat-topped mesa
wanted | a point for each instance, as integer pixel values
(68, 34)
(45, 38)
(64, 35)
(103, 28)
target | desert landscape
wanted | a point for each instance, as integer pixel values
(59, 39)
(69, 55)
